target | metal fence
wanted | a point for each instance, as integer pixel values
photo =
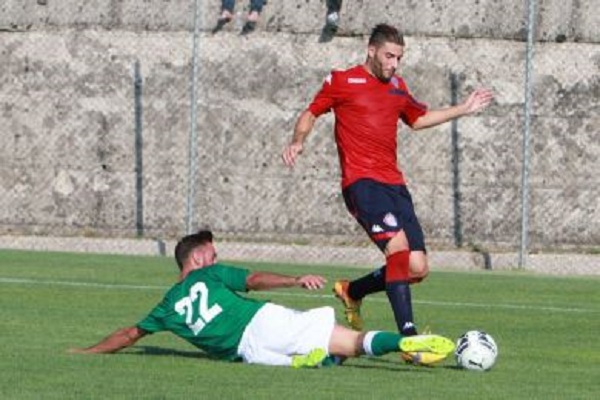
(152, 127)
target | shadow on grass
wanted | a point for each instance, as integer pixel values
(453, 368)
(375, 363)
(387, 364)
(161, 351)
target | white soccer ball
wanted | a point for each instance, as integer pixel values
(476, 351)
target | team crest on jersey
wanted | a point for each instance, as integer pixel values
(357, 80)
(390, 220)
(395, 82)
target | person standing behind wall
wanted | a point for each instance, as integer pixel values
(227, 7)
(332, 20)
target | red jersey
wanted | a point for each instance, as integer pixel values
(366, 122)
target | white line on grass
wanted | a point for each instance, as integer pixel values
(450, 304)
(312, 295)
(82, 284)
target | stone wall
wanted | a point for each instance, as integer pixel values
(556, 20)
(95, 121)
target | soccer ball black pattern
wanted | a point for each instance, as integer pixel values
(476, 351)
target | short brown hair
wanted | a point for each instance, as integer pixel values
(383, 33)
(184, 247)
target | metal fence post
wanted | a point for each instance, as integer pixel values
(192, 151)
(526, 132)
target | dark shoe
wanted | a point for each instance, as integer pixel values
(221, 22)
(327, 33)
(332, 22)
(248, 28)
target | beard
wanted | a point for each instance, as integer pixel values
(380, 73)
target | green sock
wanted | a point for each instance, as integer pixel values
(377, 343)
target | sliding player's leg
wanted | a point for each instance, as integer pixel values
(350, 343)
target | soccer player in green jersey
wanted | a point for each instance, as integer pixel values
(205, 309)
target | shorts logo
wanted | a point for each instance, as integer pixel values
(408, 325)
(376, 229)
(390, 220)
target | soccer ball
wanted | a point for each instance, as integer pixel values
(476, 351)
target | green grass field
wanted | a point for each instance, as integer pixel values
(546, 329)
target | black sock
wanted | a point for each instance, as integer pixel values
(370, 283)
(399, 296)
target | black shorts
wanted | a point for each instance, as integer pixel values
(383, 210)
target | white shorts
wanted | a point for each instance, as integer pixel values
(277, 333)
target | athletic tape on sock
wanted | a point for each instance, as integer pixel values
(368, 342)
(397, 267)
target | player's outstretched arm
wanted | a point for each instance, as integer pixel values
(304, 126)
(114, 342)
(268, 280)
(477, 101)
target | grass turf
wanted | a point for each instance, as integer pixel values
(545, 328)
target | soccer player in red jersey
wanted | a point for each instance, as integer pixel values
(368, 100)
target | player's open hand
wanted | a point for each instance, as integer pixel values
(311, 282)
(478, 100)
(291, 153)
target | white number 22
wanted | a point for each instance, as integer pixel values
(198, 292)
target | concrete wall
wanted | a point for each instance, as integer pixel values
(557, 20)
(69, 95)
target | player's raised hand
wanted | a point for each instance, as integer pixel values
(291, 153)
(311, 282)
(478, 100)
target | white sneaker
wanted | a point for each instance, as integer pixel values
(333, 19)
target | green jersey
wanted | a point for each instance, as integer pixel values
(205, 310)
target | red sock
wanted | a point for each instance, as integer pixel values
(397, 267)
(416, 280)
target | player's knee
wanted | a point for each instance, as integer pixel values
(417, 275)
(346, 342)
(419, 267)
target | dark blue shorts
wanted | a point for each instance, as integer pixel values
(383, 210)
